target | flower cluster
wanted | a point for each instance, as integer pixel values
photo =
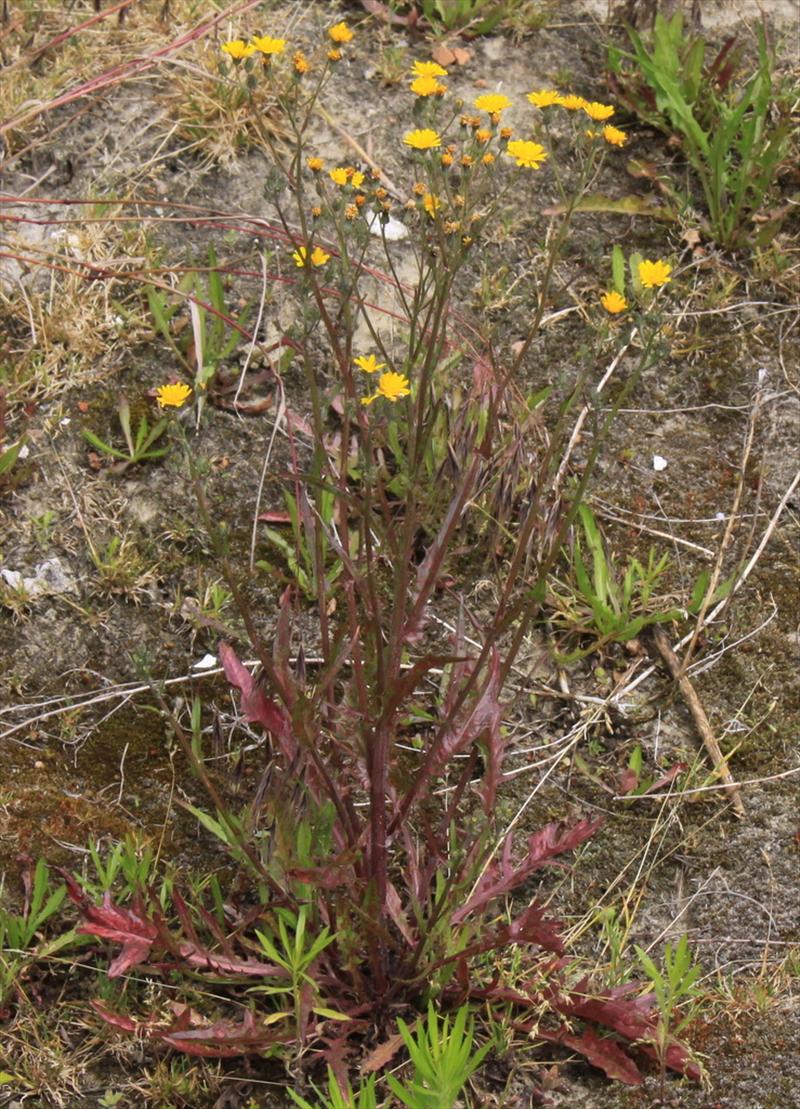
(239, 50)
(264, 45)
(317, 257)
(391, 386)
(651, 275)
(547, 98)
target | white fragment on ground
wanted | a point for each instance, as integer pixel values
(205, 663)
(393, 230)
(48, 577)
(659, 463)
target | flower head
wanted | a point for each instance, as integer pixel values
(318, 257)
(334, 55)
(392, 386)
(300, 62)
(572, 102)
(267, 45)
(613, 302)
(237, 49)
(314, 164)
(339, 175)
(654, 274)
(528, 154)
(544, 98)
(431, 203)
(428, 69)
(340, 32)
(492, 102)
(422, 139)
(597, 112)
(614, 136)
(368, 363)
(427, 86)
(174, 395)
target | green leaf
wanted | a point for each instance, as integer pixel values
(95, 441)
(618, 269)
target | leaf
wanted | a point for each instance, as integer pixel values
(382, 1054)
(257, 707)
(220, 1040)
(502, 877)
(444, 55)
(131, 927)
(630, 1017)
(198, 956)
(632, 205)
(601, 1051)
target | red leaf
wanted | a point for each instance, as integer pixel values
(600, 1051)
(500, 878)
(257, 707)
(275, 518)
(127, 1024)
(676, 1058)
(187, 1033)
(628, 781)
(223, 964)
(131, 927)
(631, 1017)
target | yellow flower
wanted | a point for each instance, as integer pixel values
(654, 274)
(300, 62)
(614, 136)
(482, 136)
(368, 363)
(334, 55)
(428, 69)
(572, 102)
(427, 86)
(544, 98)
(356, 178)
(422, 139)
(613, 302)
(447, 159)
(314, 164)
(339, 175)
(174, 395)
(318, 256)
(487, 159)
(267, 45)
(340, 32)
(530, 155)
(492, 102)
(390, 385)
(431, 203)
(237, 49)
(598, 112)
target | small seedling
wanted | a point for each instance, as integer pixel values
(20, 940)
(365, 1098)
(444, 1058)
(676, 996)
(734, 139)
(140, 447)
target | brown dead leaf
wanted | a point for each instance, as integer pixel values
(446, 55)
(382, 1054)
